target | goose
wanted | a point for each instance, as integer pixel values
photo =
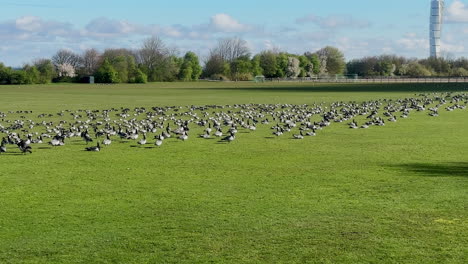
(23, 147)
(159, 141)
(143, 140)
(278, 132)
(184, 136)
(311, 133)
(219, 133)
(208, 129)
(3, 148)
(229, 138)
(57, 141)
(94, 149)
(206, 135)
(107, 141)
(86, 137)
(300, 136)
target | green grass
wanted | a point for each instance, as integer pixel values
(393, 194)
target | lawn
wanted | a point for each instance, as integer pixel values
(392, 194)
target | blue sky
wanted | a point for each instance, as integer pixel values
(38, 28)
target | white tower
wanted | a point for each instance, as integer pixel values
(437, 16)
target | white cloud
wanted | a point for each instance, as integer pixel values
(334, 21)
(457, 12)
(225, 23)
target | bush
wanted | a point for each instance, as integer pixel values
(107, 74)
(243, 77)
(219, 77)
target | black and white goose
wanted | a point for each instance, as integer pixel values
(3, 148)
(206, 135)
(24, 147)
(300, 136)
(94, 149)
(229, 138)
(143, 140)
(107, 141)
(184, 136)
(159, 140)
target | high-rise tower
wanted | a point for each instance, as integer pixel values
(437, 16)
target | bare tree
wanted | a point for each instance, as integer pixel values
(66, 57)
(90, 61)
(232, 48)
(156, 59)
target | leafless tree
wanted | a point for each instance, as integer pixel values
(90, 61)
(231, 48)
(66, 57)
(155, 59)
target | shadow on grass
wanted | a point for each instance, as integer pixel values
(388, 87)
(453, 169)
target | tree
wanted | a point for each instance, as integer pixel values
(156, 60)
(66, 57)
(241, 69)
(190, 69)
(293, 69)
(415, 69)
(332, 60)
(232, 48)
(90, 62)
(215, 65)
(460, 72)
(32, 75)
(46, 70)
(268, 64)
(66, 70)
(106, 73)
(315, 61)
(5, 73)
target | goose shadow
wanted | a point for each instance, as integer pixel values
(451, 169)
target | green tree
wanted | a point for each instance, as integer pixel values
(256, 69)
(333, 58)
(5, 73)
(241, 69)
(106, 73)
(190, 69)
(46, 70)
(315, 61)
(268, 64)
(32, 75)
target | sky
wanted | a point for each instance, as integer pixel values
(32, 29)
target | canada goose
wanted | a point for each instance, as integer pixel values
(107, 141)
(159, 141)
(184, 136)
(3, 148)
(208, 129)
(23, 147)
(206, 135)
(86, 137)
(143, 140)
(219, 133)
(300, 136)
(229, 138)
(311, 133)
(57, 141)
(94, 149)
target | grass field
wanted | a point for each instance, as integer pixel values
(393, 194)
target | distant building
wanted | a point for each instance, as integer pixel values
(437, 16)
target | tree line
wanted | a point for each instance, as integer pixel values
(231, 59)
